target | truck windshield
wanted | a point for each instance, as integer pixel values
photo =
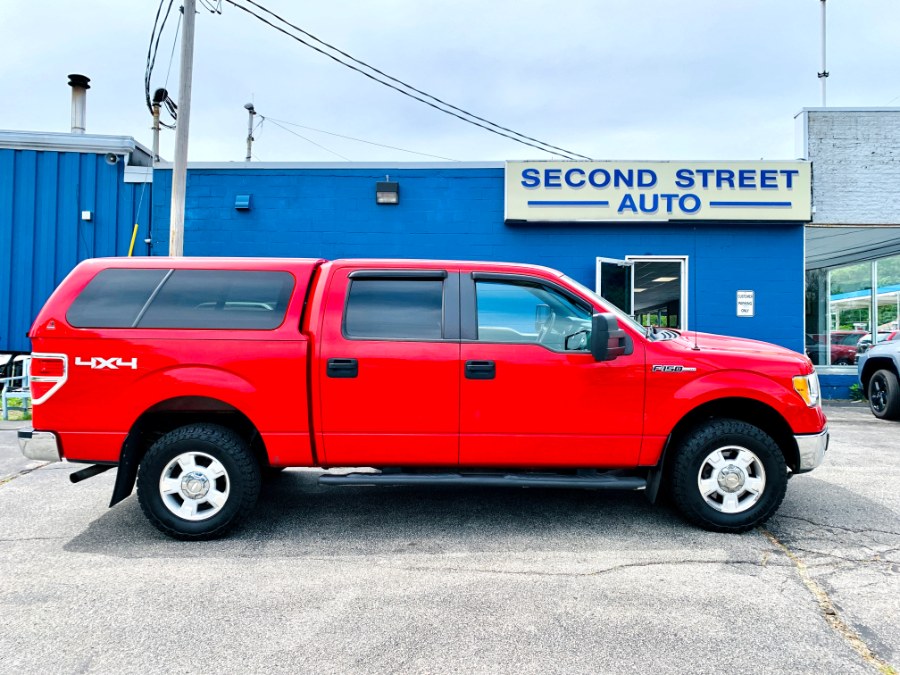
(622, 316)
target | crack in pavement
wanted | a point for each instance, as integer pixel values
(838, 527)
(23, 472)
(595, 573)
(875, 559)
(850, 636)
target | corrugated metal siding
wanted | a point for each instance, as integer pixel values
(42, 236)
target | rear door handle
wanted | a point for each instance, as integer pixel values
(480, 370)
(342, 368)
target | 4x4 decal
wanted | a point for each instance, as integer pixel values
(99, 363)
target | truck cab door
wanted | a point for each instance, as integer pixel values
(528, 401)
(388, 368)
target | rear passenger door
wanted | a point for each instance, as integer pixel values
(388, 368)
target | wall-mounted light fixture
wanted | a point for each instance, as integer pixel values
(387, 192)
(242, 202)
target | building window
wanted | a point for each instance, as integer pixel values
(848, 308)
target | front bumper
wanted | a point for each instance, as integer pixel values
(39, 445)
(812, 449)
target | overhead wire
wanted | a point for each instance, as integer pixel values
(469, 117)
(172, 53)
(153, 48)
(405, 84)
(362, 140)
(213, 8)
(291, 131)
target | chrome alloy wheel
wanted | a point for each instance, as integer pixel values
(194, 486)
(731, 479)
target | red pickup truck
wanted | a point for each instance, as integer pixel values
(199, 377)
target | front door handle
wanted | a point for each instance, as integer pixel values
(480, 370)
(342, 368)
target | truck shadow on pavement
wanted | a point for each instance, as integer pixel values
(296, 517)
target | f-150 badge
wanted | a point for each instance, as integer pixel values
(673, 369)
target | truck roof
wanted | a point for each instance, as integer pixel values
(164, 262)
(157, 262)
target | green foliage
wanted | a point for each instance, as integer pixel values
(856, 393)
(16, 409)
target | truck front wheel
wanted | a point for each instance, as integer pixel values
(728, 476)
(198, 481)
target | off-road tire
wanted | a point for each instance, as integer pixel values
(693, 451)
(228, 448)
(886, 380)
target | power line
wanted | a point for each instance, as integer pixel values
(291, 131)
(362, 140)
(172, 54)
(153, 48)
(404, 84)
(213, 8)
(554, 150)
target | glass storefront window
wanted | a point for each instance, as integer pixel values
(845, 314)
(888, 298)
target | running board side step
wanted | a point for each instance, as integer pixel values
(591, 481)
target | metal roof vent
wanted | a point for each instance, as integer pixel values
(79, 84)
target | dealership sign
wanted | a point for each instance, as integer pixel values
(657, 191)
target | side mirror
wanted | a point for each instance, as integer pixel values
(608, 341)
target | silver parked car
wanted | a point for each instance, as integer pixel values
(878, 370)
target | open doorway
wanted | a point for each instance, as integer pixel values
(652, 289)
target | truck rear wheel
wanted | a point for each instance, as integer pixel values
(884, 395)
(198, 481)
(728, 476)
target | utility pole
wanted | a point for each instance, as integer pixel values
(155, 128)
(182, 124)
(251, 112)
(823, 74)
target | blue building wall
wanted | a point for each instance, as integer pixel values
(458, 214)
(836, 385)
(42, 236)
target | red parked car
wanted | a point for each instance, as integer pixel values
(865, 341)
(215, 372)
(843, 347)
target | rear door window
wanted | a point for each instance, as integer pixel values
(223, 299)
(395, 309)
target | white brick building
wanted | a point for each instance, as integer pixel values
(853, 242)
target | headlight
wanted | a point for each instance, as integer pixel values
(807, 386)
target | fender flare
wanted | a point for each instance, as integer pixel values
(180, 382)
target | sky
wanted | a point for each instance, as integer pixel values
(641, 80)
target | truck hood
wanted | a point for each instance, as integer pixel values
(710, 345)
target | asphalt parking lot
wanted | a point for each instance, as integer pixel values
(340, 580)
